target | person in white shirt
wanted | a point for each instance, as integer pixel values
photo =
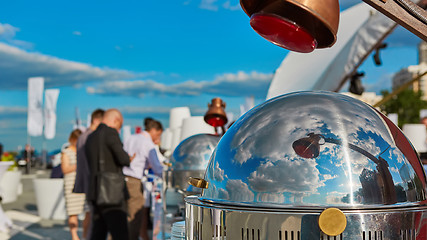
(142, 146)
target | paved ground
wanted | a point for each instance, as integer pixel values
(23, 213)
(27, 225)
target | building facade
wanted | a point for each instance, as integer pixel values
(407, 74)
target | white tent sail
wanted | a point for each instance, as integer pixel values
(361, 29)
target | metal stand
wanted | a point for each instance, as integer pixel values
(164, 189)
(44, 153)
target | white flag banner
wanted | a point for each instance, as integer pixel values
(35, 106)
(50, 99)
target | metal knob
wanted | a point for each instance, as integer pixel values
(198, 182)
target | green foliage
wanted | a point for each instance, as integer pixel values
(407, 104)
(10, 157)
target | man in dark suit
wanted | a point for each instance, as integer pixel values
(105, 138)
(81, 184)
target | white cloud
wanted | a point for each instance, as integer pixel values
(217, 193)
(156, 110)
(12, 110)
(8, 33)
(223, 194)
(4, 124)
(327, 177)
(229, 84)
(358, 160)
(77, 33)
(209, 5)
(301, 176)
(227, 5)
(145, 110)
(218, 173)
(335, 197)
(17, 65)
(271, 197)
(239, 191)
(214, 5)
(395, 153)
(13, 114)
(11, 126)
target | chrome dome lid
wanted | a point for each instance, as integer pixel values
(315, 150)
(193, 153)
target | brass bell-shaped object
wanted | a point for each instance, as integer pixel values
(215, 116)
(297, 25)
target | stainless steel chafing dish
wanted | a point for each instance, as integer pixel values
(190, 159)
(311, 165)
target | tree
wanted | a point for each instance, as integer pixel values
(407, 104)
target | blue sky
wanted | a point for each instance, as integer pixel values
(144, 57)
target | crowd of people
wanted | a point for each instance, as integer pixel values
(98, 155)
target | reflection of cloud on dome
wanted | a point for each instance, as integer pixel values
(286, 175)
(327, 177)
(359, 163)
(336, 152)
(370, 146)
(335, 197)
(223, 194)
(262, 135)
(239, 191)
(216, 192)
(398, 163)
(296, 198)
(394, 153)
(218, 174)
(270, 197)
(357, 160)
(272, 140)
(194, 153)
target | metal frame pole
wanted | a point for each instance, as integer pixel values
(406, 13)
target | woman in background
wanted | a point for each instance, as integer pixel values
(74, 201)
